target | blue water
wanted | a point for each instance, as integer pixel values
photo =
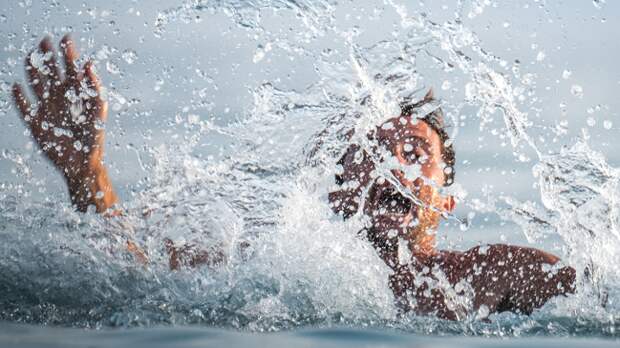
(22, 336)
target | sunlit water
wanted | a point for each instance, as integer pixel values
(304, 266)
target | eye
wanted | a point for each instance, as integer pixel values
(412, 151)
(394, 202)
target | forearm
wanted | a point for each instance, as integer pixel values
(92, 186)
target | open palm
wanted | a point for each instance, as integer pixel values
(66, 119)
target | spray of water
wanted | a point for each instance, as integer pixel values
(291, 261)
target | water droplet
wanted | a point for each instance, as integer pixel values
(577, 91)
(607, 124)
(540, 56)
(77, 145)
(99, 124)
(446, 85)
(523, 158)
(129, 56)
(566, 74)
(258, 56)
(99, 195)
(158, 84)
(464, 225)
(38, 60)
(112, 68)
(193, 119)
(591, 121)
(598, 3)
(260, 52)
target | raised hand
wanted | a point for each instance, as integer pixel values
(66, 120)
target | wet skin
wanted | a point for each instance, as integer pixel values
(77, 151)
(495, 278)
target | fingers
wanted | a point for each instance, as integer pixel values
(22, 103)
(47, 49)
(70, 54)
(93, 82)
(41, 67)
(35, 80)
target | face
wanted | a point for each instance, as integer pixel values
(417, 148)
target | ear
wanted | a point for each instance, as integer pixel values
(448, 204)
(429, 95)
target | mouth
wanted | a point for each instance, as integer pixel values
(392, 203)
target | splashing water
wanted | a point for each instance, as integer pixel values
(291, 261)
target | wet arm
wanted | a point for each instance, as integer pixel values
(66, 120)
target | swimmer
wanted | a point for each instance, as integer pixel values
(429, 281)
(67, 117)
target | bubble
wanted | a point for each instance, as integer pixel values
(607, 124)
(541, 56)
(591, 121)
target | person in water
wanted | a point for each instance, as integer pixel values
(493, 278)
(448, 284)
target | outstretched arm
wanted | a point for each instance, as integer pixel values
(66, 120)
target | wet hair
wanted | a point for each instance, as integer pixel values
(357, 165)
(435, 120)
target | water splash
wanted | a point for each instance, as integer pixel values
(303, 266)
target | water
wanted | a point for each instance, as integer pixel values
(208, 337)
(216, 174)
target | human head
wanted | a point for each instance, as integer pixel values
(417, 139)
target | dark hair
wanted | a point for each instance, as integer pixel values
(435, 120)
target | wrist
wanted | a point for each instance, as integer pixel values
(90, 185)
